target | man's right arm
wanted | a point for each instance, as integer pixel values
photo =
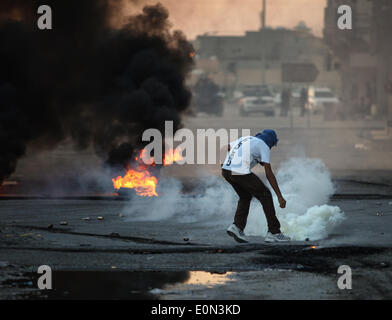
(223, 153)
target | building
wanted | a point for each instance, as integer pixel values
(257, 56)
(353, 48)
(382, 48)
(364, 53)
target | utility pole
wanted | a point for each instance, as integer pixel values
(263, 15)
(263, 23)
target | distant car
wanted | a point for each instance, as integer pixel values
(278, 98)
(257, 99)
(207, 97)
(321, 98)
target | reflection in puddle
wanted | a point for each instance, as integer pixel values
(115, 284)
(208, 279)
(197, 282)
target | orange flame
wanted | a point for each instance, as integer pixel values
(140, 178)
(172, 156)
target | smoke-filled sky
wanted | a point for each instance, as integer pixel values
(196, 17)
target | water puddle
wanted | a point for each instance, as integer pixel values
(114, 284)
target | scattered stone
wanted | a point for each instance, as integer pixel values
(378, 214)
(114, 234)
(4, 264)
(361, 146)
(50, 226)
(26, 235)
(63, 223)
(186, 239)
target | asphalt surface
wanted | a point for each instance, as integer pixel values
(32, 234)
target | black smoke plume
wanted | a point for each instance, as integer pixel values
(87, 80)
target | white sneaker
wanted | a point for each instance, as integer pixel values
(278, 237)
(236, 233)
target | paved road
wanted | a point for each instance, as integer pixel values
(293, 270)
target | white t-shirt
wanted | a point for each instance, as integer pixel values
(245, 153)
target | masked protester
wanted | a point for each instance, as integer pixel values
(243, 155)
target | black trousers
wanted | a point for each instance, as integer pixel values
(248, 186)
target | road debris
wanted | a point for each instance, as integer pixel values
(114, 234)
(361, 146)
(4, 264)
(26, 235)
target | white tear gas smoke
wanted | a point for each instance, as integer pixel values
(305, 183)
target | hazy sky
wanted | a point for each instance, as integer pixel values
(196, 17)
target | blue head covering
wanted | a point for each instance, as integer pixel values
(269, 137)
